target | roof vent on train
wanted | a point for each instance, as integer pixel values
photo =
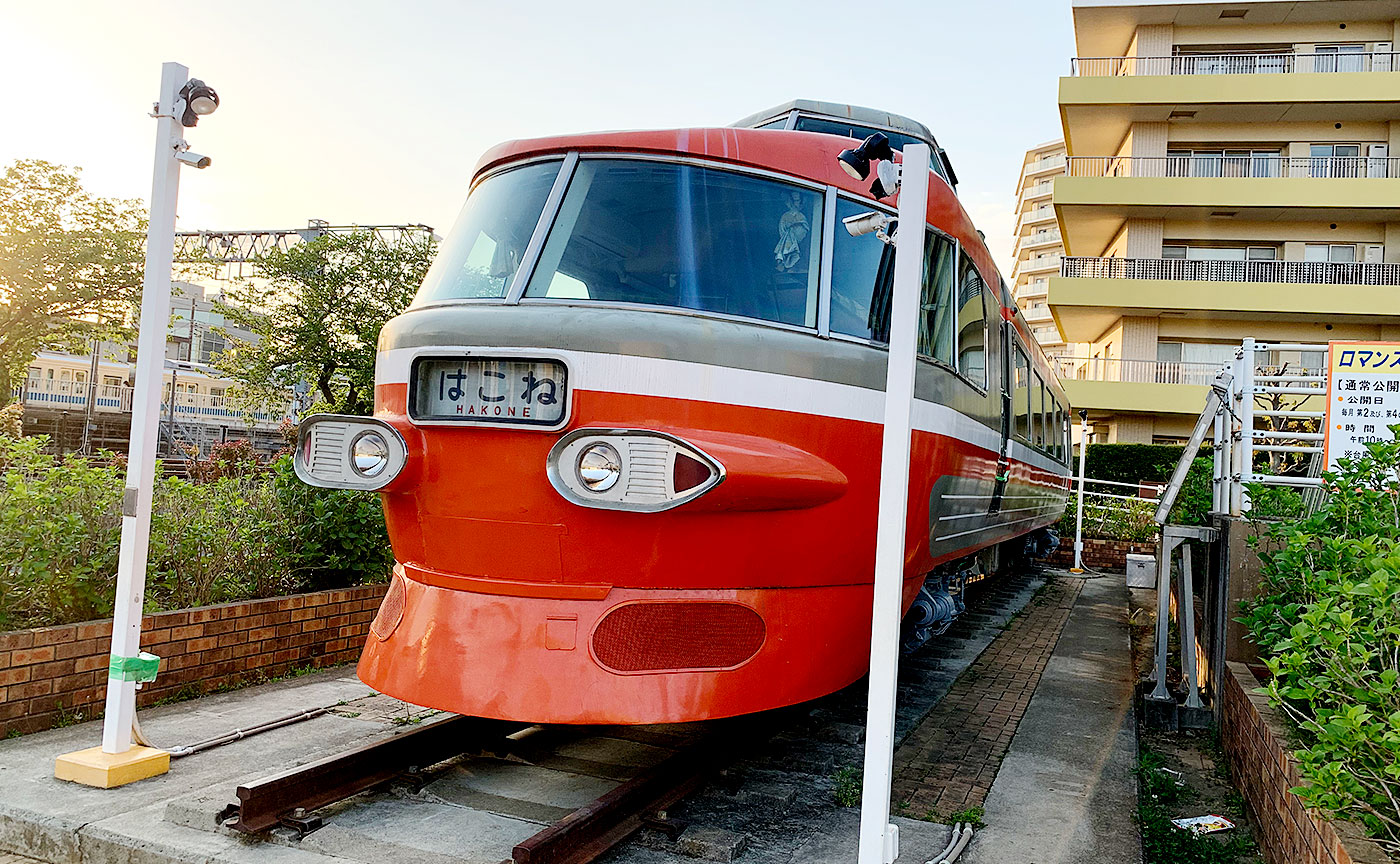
(851, 121)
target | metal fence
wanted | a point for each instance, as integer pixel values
(1303, 272)
(1253, 165)
(1236, 63)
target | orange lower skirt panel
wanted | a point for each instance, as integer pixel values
(537, 660)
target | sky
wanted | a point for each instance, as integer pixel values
(377, 112)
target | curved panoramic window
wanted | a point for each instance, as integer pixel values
(636, 231)
(489, 238)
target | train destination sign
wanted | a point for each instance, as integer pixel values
(1363, 396)
(515, 391)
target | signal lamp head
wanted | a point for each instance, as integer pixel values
(886, 180)
(200, 100)
(857, 162)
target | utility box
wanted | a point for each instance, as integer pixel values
(1142, 571)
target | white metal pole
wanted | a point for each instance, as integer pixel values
(145, 415)
(879, 839)
(1079, 505)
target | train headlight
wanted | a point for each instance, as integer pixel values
(335, 451)
(369, 454)
(599, 467)
(630, 469)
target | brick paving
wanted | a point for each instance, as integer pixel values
(950, 760)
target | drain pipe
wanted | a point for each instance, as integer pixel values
(239, 734)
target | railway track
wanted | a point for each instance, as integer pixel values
(572, 794)
(684, 759)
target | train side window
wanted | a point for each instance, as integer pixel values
(972, 323)
(1038, 417)
(862, 277)
(1020, 398)
(936, 302)
(1047, 406)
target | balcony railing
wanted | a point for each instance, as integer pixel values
(1037, 214)
(1045, 164)
(1041, 239)
(1236, 63)
(1303, 272)
(1042, 262)
(1254, 165)
(116, 399)
(1135, 371)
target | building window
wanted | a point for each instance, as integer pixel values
(1339, 58)
(211, 345)
(1337, 253)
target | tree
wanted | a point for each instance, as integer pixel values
(317, 310)
(70, 264)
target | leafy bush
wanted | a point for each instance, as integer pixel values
(236, 531)
(1328, 621)
(60, 529)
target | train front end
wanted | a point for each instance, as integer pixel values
(626, 477)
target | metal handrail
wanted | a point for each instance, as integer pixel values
(1295, 272)
(1235, 63)
(1259, 166)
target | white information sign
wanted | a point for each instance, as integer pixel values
(1363, 396)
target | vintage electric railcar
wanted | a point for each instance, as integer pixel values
(628, 435)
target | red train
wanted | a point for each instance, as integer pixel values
(627, 436)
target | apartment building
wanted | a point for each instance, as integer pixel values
(1228, 174)
(1036, 249)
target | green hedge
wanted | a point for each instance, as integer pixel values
(235, 531)
(1134, 463)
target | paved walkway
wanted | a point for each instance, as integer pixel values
(949, 762)
(1067, 792)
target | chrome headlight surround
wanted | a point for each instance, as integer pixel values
(325, 454)
(646, 482)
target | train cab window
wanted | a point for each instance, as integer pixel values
(898, 140)
(936, 302)
(862, 276)
(1020, 394)
(972, 323)
(483, 251)
(632, 231)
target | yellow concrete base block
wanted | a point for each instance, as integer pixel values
(92, 767)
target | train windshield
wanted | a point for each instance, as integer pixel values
(489, 238)
(635, 231)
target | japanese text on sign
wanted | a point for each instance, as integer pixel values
(1363, 396)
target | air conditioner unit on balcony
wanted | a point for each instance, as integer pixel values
(1374, 253)
(1381, 59)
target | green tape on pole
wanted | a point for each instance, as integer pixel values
(140, 668)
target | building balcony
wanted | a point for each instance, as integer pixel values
(1257, 167)
(1038, 314)
(1031, 290)
(1104, 96)
(1038, 264)
(1091, 294)
(1099, 193)
(1042, 166)
(1043, 189)
(1236, 63)
(1135, 386)
(1037, 241)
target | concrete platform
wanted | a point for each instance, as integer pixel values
(1067, 790)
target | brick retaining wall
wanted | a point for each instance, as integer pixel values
(1100, 554)
(49, 673)
(1254, 736)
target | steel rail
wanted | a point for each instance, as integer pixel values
(593, 829)
(285, 798)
